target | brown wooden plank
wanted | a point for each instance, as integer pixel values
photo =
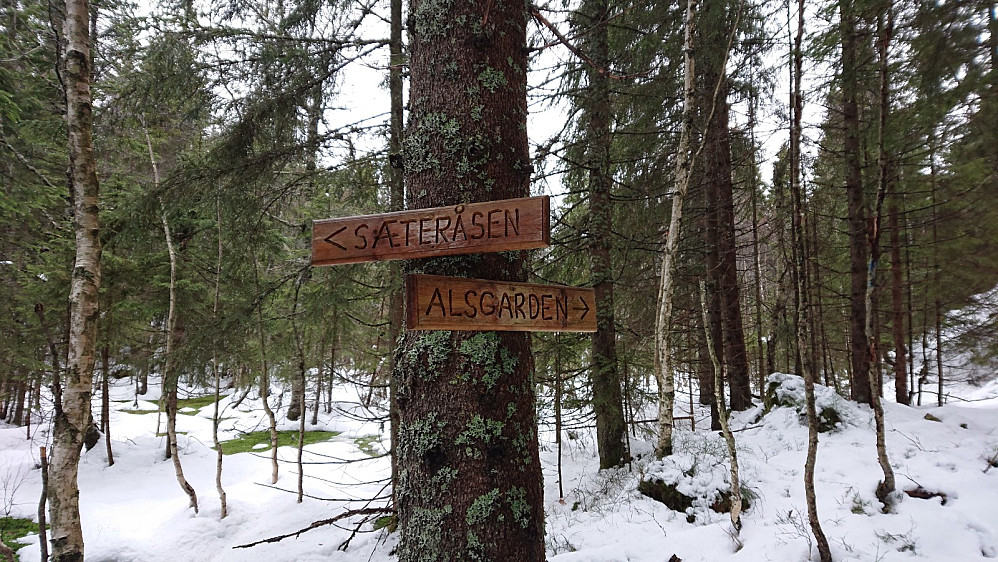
(435, 302)
(494, 226)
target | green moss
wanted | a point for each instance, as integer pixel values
(433, 18)
(13, 528)
(420, 437)
(436, 347)
(138, 412)
(480, 429)
(366, 444)
(481, 509)
(483, 349)
(443, 478)
(475, 547)
(930, 417)
(423, 532)
(246, 442)
(197, 402)
(516, 497)
(390, 522)
(492, 79)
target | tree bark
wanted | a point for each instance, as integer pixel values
(729, 438)
(470, 484)
(856, 209)
(396, 202)
(265, 375)
(105, 402)
(886, 490)
(43, 542)
(171, 378)
(73, 416)
(717, 161)
(223, 504)
(596, 120)
(897, 304)
(664, 368)
(806, 353)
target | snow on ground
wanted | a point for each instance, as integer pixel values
(135, 510)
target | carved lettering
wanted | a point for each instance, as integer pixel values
(468, 301)
(467, 228)
(513, 222)
(438, 300)
(481, 228)
(496, 222)
(356, 232)
(441, 230)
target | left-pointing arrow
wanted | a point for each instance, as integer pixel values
(585, 310)
(330, 238)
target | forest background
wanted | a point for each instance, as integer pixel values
(221, 130)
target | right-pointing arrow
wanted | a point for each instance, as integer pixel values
(585, 310)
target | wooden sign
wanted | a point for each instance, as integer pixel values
(496, 226)
(434, 302)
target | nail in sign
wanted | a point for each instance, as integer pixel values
(495, 226)
(434, 302)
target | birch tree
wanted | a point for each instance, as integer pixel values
(73, 416)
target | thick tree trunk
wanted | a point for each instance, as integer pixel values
(596, 120)
(718, 163)
(470, 484)
(856, 207)
(72, 416)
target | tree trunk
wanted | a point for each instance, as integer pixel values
(729, 438)
(804, 310)
(718, 164)
(105, 402)
(886, 489)
(299, 388)
(43, 542)
(73, 416)
(171, 378)
(897, 304)
(214, 366)
(265, 375)
(856, 209)
(664, 369)
(397, 202)
(596, 120)
(470, 484)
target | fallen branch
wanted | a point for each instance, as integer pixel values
(322, 523)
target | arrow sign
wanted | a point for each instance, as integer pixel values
(495, 226)
(434, 302)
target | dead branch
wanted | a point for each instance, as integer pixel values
(321, 523)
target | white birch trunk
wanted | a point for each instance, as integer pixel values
(72, 416)
(664, 372)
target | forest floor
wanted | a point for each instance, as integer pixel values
(135, 511)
